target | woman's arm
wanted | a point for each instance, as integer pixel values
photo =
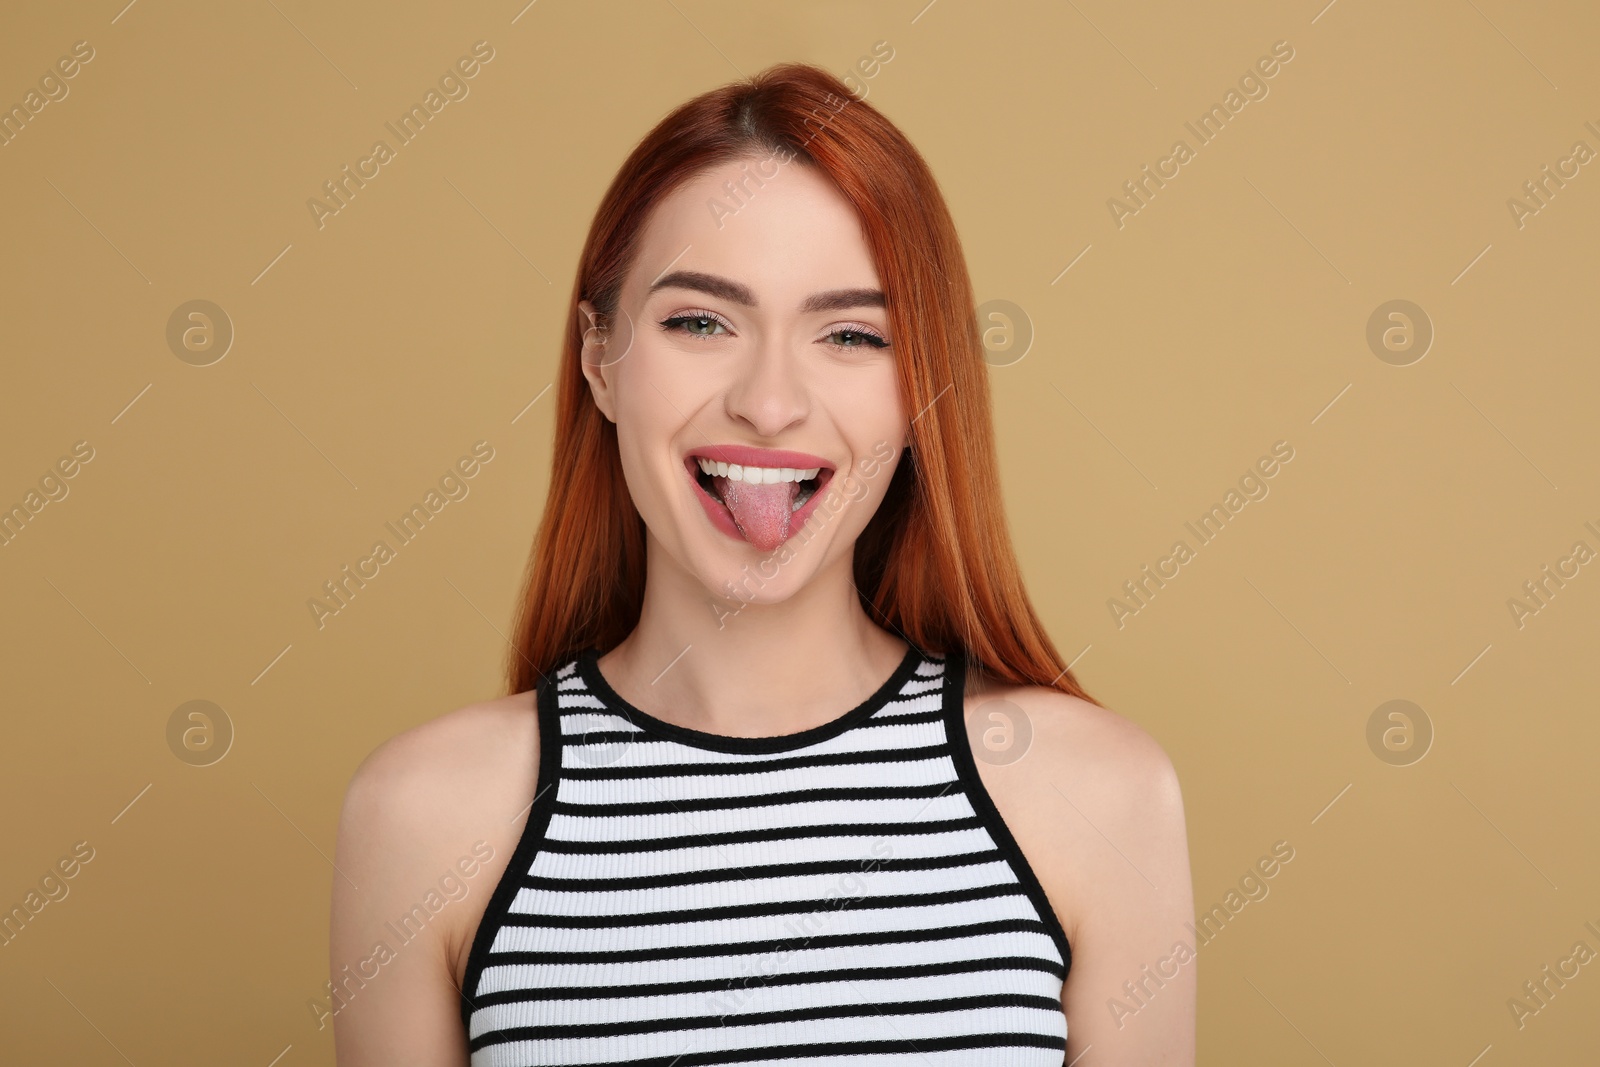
(429, 823)
(1095, 805)
(1132, 990)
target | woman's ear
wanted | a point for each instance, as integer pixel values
(595, 359)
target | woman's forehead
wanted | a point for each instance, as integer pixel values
(782, 240)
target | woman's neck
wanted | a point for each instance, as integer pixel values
(748, 669)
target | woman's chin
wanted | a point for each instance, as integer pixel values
(750, 579)
(735, 573)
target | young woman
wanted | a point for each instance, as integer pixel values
(790, 769)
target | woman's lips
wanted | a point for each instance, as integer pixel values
(765, 526)
(748, 456)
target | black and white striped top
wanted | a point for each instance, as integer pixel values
(840, 897)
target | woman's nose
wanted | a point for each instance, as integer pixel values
(769, 391)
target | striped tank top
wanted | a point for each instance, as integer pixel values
(840, 897)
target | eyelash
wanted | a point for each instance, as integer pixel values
(871, 339)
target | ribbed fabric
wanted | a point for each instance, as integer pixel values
(841, 897)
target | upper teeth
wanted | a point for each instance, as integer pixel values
(756, 475)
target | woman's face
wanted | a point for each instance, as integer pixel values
(751, 376)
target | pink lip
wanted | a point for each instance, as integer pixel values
(744, 455)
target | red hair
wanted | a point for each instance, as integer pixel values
(935, 564)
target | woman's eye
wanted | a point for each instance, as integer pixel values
(856, 339)
(694, 325)
(697, 324)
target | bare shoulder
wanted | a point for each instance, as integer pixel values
(430, 820)
(1092, 798)
(1066, 737)
(459, 758)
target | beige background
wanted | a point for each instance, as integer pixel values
(1228, 314)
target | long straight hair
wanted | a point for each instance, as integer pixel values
(935, 564)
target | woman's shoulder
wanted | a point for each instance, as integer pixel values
(449, 757)
(1092, 798)
(439, 786)
(447, 796)
(1072, 735)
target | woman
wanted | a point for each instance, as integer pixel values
(790, 769)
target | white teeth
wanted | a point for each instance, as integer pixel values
(755, 475)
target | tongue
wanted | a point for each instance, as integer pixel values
(761, 512)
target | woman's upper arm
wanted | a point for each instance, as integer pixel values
(394, 1001)
(1131, 991)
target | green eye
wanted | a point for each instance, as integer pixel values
(861, 339)
(695, 325)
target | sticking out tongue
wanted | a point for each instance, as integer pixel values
(762, 512)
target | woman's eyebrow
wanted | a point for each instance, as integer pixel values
(726, 289)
